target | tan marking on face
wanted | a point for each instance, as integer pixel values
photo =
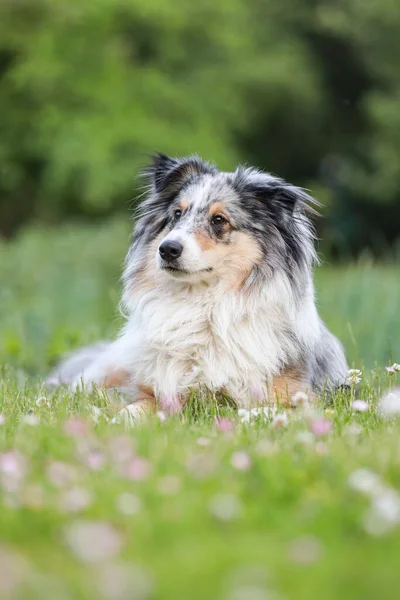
(238, 259)
(287, 383)
(204, 241)
(217, 209)
(184, 203)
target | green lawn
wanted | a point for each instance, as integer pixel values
(195, 507)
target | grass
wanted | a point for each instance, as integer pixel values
(194, 507)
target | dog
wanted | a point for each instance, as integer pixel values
(218, 294)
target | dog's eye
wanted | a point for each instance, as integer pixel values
(177, 214)
(218, 220)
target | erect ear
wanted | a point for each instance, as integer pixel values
(168, 175)
(272, 192)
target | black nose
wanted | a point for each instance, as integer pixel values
(170, 250)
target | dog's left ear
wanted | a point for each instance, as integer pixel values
(169, 175)
(272, 192)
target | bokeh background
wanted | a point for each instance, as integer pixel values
(307, 89)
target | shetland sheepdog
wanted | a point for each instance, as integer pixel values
(218, 294)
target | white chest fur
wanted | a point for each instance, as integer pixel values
(225, 341)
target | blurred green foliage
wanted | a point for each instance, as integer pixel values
(308, 89)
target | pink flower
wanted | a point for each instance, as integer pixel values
(224, 424)
(121, 448)
(13, 469)
(241, 461)
(93, 541)
(124, 582)
(13, 571)
(360, 405)
(94, 460)
(320, 427)
(76, 427)
(162, 417)
(128, 504)
(138, 469)
(392, 369)
(75, 500)
(61, 474)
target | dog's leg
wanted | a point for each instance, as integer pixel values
(287, 384)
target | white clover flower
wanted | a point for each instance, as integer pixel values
(32, 420)
(299, 399)
(42, 402)
(93, 541)
(392, 369)
(226, 507)
(365, 482)
(280, 420)
(360, 405)
(389, 405)
(353, 376)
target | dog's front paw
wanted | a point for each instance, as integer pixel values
(132, 414)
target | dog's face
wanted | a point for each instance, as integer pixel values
(202, 225)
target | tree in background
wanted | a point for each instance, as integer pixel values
(308, 89)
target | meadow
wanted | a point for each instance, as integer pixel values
(210, 504)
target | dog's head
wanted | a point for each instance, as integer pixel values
(200, 224)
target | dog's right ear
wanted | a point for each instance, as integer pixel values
(169, 175)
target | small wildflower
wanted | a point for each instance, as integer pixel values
(320, 427)
(93, 541)
(121, 448)
(76, 427)
(61, 474)
(94, 460)
(169, 485)
(225, 507)
(33, 496)
(383, 514)
(304, 437)
(305, 550)
(241, 461)
(162, 417)
(353, 430)
(138, 469)
(299, 399)
(360, 405)
(392, 369)
(31, 420)
(353, 376)
(13, 571)
(201, 464)
(389, 405)
(42, 402)
(224, 424)
(203, 441)
(280, 420)
(13, 465)
(75, 500)
(124, 582)
(366, 482)
(266, 448)
(330, 413)
(321, 448)
(128, 504)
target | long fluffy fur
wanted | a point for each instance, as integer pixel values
(238, 328)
